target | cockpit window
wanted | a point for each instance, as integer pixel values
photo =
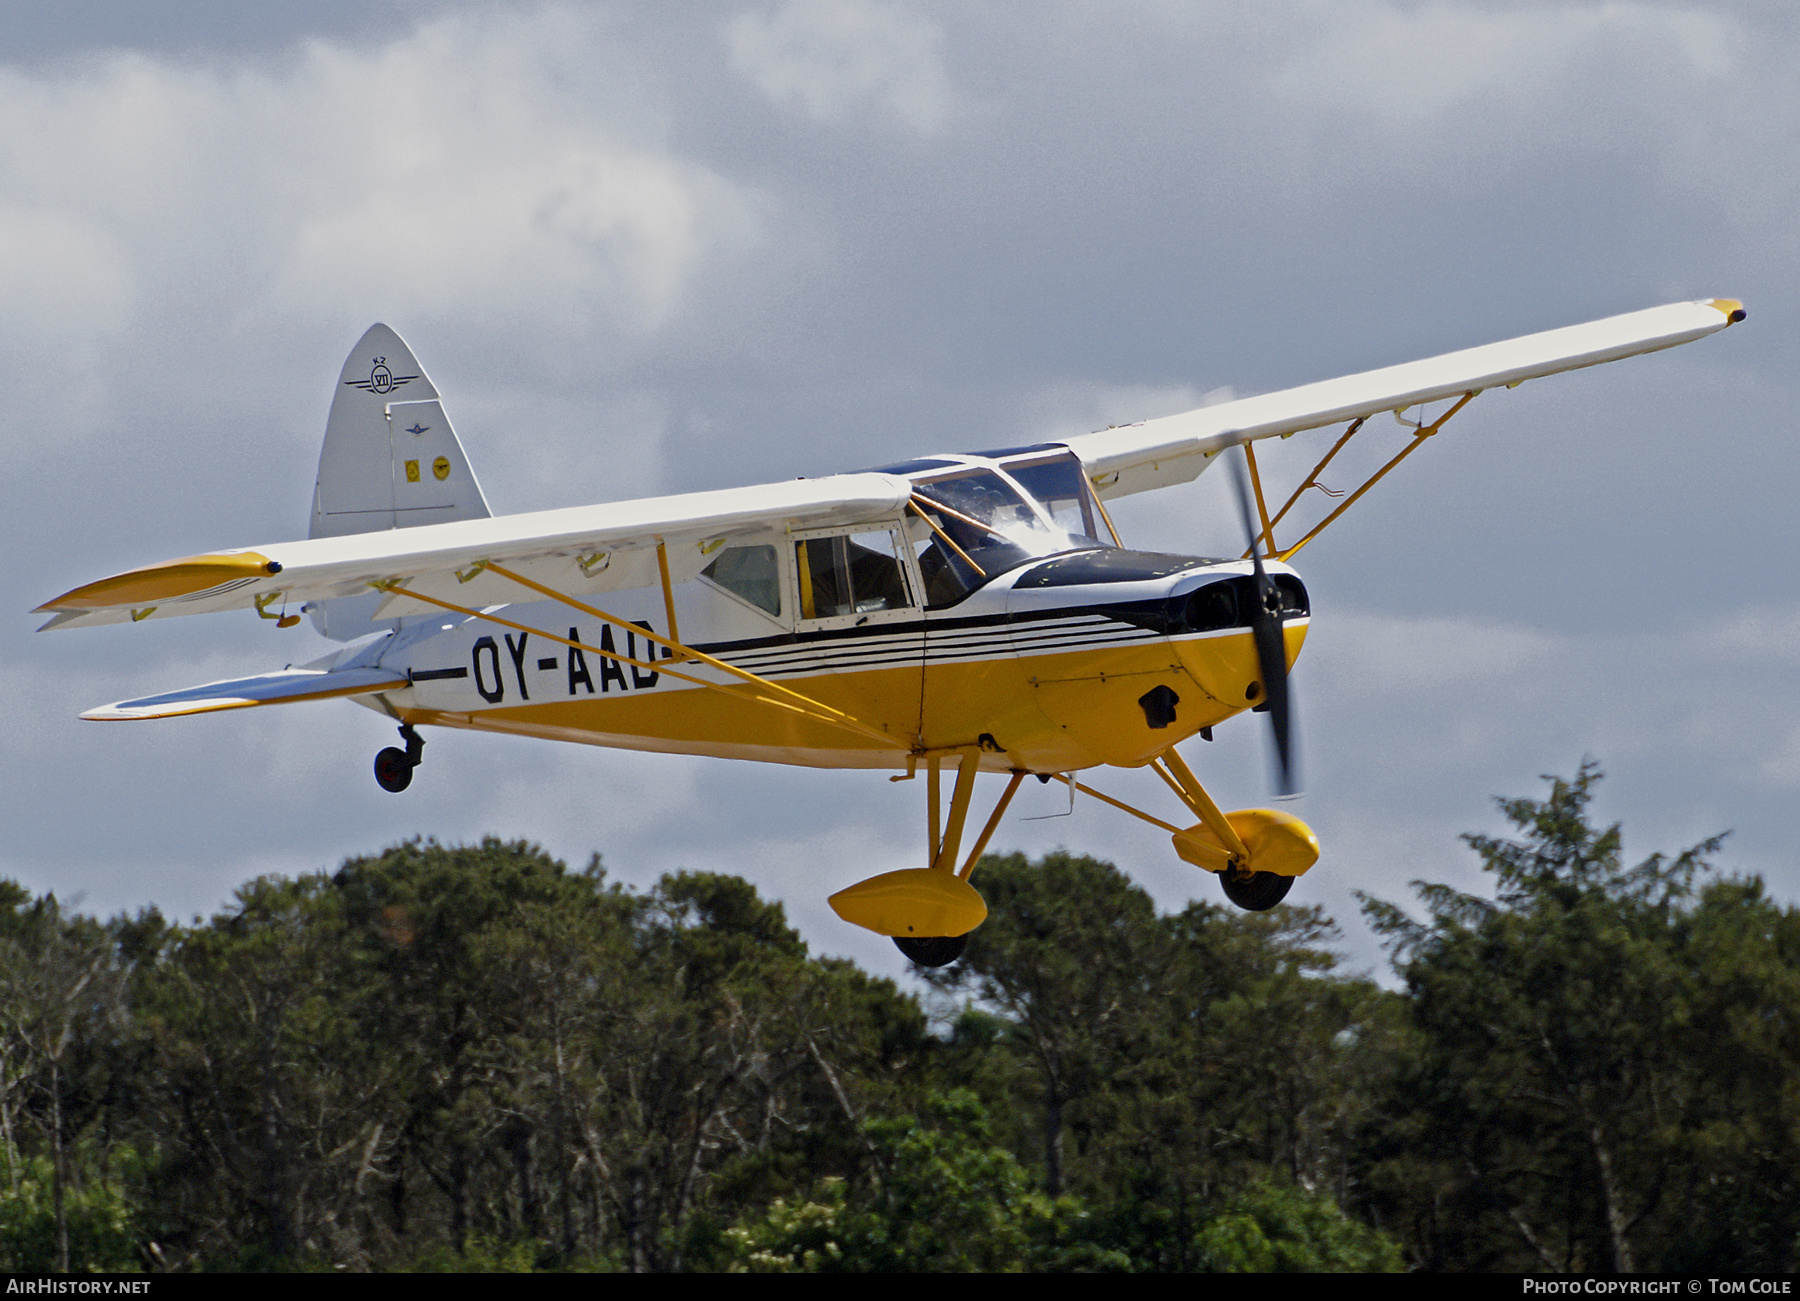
(972, 523)
(1059, 485)
(975, 525)
(850, 574)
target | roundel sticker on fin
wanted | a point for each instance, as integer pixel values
(381, 379)
(441, 468)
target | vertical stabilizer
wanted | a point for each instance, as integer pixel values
(391, 459)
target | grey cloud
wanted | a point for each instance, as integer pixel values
(830, 58)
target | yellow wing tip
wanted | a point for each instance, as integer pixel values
(168, 581)
(1733, 309)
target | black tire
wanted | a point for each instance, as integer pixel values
(393, 770)
(932, 950)
(1258, 892)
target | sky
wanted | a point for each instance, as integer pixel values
(648, 249)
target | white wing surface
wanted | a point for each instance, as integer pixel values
(581, 550)
(1174, 449)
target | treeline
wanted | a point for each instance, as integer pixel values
(473, 1057)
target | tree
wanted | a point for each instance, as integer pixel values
(1170, 1062)
(1075, 957)
(63, 1009)
(1578, 1096)
(1275, 1228)
(942, 1197)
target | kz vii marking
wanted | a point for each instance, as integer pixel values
(965, 612)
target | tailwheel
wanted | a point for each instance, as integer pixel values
(932, 950)
(393, 770)
(1255, 891)
(394, 766)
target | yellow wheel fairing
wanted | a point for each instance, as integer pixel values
(914, 902)
(1278, 842)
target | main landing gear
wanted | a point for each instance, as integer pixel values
(928, 912)
(1255, 892)
(394, 766)
(933, 950)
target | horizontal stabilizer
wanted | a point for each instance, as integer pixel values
(241, 693)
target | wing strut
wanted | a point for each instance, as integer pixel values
(914, 507)
(806, 706)
(1312, 480)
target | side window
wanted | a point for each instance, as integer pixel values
(850, 574)
(749, 573)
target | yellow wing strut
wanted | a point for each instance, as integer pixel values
(1312, 479)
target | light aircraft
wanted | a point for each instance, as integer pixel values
(977, 611)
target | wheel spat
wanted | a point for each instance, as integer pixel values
(1271, 646)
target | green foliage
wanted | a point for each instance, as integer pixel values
(1160, 1063)
(943, 1199)
(102, 1237)
(1273, 1229)
(472, 1058)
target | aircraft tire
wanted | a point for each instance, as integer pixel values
(1258, 892)
(932, 950)
(393, 770)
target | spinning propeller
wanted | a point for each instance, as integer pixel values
(1271, 648)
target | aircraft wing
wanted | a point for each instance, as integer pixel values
(582, 550)
(1174, 449)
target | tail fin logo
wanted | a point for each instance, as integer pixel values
(381, 379)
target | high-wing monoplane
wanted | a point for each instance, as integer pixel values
(967, 612)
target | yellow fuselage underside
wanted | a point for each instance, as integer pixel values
(1043, 713)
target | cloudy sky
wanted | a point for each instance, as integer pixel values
(656, 248)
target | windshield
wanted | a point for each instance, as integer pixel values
(1058, 484)
(973, 524)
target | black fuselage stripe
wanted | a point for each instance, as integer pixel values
(934, 629)
(829, 660)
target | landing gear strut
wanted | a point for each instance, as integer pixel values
(916, 906)
(394, 766)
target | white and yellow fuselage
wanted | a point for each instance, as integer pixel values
(1045, 667)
